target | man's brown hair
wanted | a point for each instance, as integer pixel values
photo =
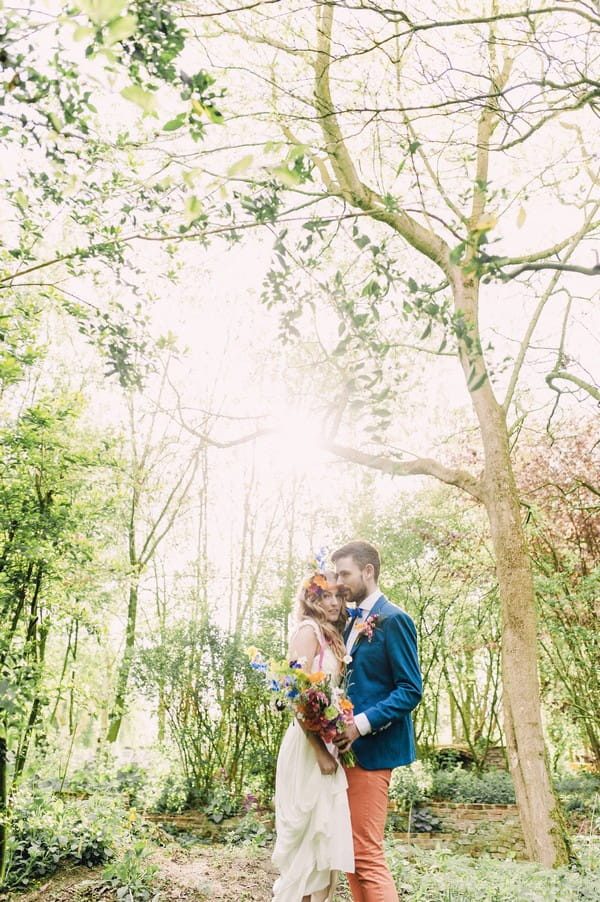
(362, 553)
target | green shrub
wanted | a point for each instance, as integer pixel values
(580, 795)
(441, 876)
(250, 830)
(132, 875)
(46, 830)
(583, 787)
(171, 795)
(103, 774)
(219, 711)
(585, 783)
(419, 783)
(418, 819)
(221, 801)
(411, 785)
(423, 820)
(494, 787)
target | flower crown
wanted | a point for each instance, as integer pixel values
(317, 584)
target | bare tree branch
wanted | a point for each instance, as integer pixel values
(569, 377)
(420, 466)
(525, 343)
(561, 267)
(352, 188)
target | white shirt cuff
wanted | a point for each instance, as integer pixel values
(362, 724)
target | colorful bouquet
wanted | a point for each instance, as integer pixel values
(322, 707)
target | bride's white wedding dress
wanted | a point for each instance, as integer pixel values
(312, 818)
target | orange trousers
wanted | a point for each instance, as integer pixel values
(368, 798)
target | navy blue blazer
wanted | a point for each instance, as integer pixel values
(384, 682)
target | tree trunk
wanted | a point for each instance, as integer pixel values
(3, 802)
(543, 826)
(594, 742)
(118, 709)
(542, 823)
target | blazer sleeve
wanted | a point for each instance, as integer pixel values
(403, 677)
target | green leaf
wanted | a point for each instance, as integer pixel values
(20, 198)
(102, 11)
(102, 51)
(191, 175)
(457, 252)
(412, 285)
(56, 122)
(173, 124)
(371, 289)
(474, 386)
(120, 29)
(241, 165)
(212, 112)
(192, 208)
(297, 151)
(341, 346)
(287, 177)
(82, 32)
(214, 115)
(144, 99)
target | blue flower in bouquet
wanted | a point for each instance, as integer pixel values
(322, 707)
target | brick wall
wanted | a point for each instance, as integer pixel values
(473, 829)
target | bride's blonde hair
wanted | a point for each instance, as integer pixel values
(308, 605)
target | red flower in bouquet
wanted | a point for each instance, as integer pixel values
(326, 710)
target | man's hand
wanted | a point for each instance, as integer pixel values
(345, 739)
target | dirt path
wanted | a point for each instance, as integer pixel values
(197, 874)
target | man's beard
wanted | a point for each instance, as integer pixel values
(360, 594)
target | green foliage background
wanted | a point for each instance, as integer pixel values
(110, 489)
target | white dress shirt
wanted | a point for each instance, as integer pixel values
(361, 720)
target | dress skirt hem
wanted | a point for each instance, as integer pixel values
(312, 821)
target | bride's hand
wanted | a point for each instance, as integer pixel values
(327, 763)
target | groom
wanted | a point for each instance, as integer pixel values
(384, 683)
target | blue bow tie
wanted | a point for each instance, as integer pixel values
(356, 612)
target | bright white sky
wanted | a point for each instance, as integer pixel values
(235, 367)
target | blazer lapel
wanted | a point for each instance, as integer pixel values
(378, 605)
(359, 638)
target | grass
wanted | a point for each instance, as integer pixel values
(443, 876)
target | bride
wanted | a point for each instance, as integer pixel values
(312, 818)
